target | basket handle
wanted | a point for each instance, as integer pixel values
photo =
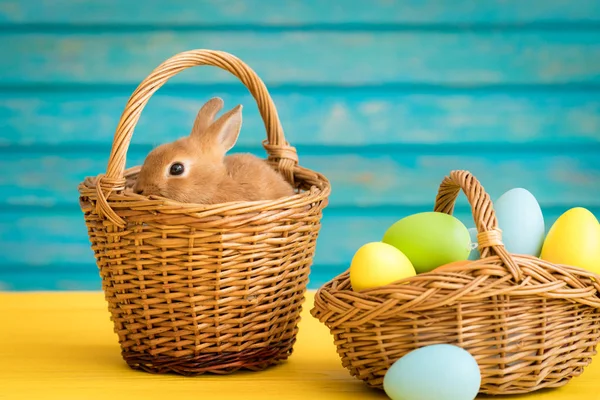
(276, 146)
(489, 235)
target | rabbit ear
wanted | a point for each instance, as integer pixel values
(205, 116)
(223, 133)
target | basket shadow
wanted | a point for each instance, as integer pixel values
(539, 392)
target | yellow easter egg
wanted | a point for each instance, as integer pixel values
(574, 239)
(378, 264)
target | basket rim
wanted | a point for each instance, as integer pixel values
(377, 296)
(308, 197)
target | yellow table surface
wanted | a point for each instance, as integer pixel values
(61, 346)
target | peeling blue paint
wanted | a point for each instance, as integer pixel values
(384, 98)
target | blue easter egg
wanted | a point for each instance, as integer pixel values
(474, 254)
(441, 372)
(522, 223)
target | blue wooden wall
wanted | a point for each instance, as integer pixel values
(383, 97)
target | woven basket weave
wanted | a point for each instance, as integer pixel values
(528, 323)
(203, 288)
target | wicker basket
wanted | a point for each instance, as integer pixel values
(203, 288)
(528, 323)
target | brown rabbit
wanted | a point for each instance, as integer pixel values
(195, 169)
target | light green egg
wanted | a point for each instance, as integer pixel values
(430, 239)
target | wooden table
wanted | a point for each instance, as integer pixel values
(61, 346)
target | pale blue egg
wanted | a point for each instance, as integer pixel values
(521, 220)
(474, 254)
(440, 372)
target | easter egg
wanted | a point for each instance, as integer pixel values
(440, 372)
(378, 264)
(521, 220)
(574, 239)
(474, 254)
(430, 239)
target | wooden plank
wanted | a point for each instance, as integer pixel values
(87, 278)
(313, 117)
(60, 238)
(49, 279)
(38, 241)
(365, 179)
(62, 259)
(69, 338)
(344, 58)
(181, 12)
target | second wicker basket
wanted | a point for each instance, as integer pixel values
(529, 324)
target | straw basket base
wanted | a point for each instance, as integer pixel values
(215, 363)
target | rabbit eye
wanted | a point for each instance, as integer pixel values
(176, 169)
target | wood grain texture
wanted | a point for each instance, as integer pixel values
(63, 260)
(178, 12)
(86, 277)
(358, 177)
(412, 89)
(61, 241)
(335, 116)
(26, 279)
(69, 338)
(342, 58)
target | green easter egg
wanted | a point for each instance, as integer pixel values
(430, 239)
